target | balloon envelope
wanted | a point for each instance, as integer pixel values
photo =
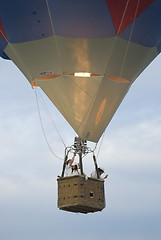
(83, 54)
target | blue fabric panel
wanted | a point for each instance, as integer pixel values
(81, 18)
(25, 20)
(3, 55)
(147, 27)
(3, 45)
(29, 20)
(159, 47)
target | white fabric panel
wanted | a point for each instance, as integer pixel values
(128, 60)
(62, 55)
(35, 57)
(72, 96)
(109, 97)
(88, 104)
(84, 55)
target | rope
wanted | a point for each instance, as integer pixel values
(126, 51)
(43, 127)
(51, 118)
(95, 147)
(123, 16)
(58, 50)
(15, 53)
(100, 144)
(129, 38)
(47, 4)
(112, 49)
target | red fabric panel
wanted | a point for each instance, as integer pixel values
(122, 18)
(2, 32)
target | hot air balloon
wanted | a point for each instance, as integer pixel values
(83, 54)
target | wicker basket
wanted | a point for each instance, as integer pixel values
(76, 194)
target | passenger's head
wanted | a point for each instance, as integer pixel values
(74, 167)
(69, 162)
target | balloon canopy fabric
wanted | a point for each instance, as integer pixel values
(53, 41)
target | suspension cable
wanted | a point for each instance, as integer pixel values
(53, 30)
(43, 127)
(130, 35)
(112, 49)
(125, 55)
(100, 144)
(51, 118)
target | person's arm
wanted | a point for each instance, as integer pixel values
(72, 160)
(106, 176)
(79, 171)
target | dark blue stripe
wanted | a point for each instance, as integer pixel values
(28, 20)
(81, 18)
(3, 55)
(3, 45)
(159, 47)
(147, 27)
(25, 20)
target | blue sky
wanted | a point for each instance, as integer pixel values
(130, 153)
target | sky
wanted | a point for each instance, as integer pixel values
(130, 153)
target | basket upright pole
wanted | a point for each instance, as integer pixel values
(80, 162)
(64, 165)
(96, 167)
